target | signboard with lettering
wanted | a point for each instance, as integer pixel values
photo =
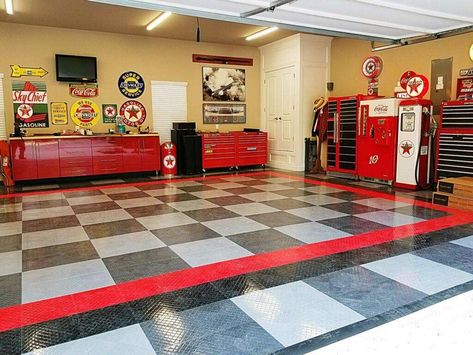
(84, 90)
(30, 104)
(59, 113)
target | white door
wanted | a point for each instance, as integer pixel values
(280, 108)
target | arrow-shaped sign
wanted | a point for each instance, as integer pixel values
(17, 71)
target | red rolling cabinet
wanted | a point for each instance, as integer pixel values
(218, 150)
(107, 155)
(342, 118)
(75, 157)
(454, 155)
(251, 148)
(150, 153)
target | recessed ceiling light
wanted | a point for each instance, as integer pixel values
(158, 20)
(9, 7)
(261, 33)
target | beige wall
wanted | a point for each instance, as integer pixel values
(153, 58)
(348, 56)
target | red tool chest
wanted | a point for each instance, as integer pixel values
(218, 150)
(251, 148)
(455, 140)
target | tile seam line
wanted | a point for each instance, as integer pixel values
(18, 316)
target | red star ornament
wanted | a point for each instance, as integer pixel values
(133, 111)
(406, 148)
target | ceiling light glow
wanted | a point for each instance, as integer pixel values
(158, 20)
(261, 33)
(9, 7)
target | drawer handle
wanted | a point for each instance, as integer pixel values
(251, 148)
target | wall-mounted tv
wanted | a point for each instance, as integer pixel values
(73, 68)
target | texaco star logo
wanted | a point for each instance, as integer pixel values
(133, 112)
(406, 149)
(25, 111)
(169, 161)
(110, 111)
(417, 86)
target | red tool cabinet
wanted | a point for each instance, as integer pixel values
(234, 149)
(454, 155)
(251, 148)
(218, 150)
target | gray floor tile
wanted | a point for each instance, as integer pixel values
(138, 202)
(287, 204)
(210, 214)
(10, 286)
(192, 205)
(84, 200)
(236, 225)
(103, 217)
(312, 232)
(36, 225)
(10, 228)
(319, 199)
(424, 275)
(382, 203)
(262, 196)
(184, 234)
(291, 322)
(321, 189)
(450, 254)
(47, 213)
(353, 225)
(209, 251)
(365, 291)
(10, 243)
(211, 193)
(102, 230)
(271, 187)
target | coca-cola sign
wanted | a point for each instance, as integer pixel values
(381, 108)
(84, 90)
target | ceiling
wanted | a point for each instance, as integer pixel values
(230, 21)
(82, 14)
(386, 20)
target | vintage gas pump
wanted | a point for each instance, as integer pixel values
(377, 140)
(414, 144)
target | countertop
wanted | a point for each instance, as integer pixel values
(98, 135)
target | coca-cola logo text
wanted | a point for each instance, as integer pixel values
(381, 109)
(83, 91)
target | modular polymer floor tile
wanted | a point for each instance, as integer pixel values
(247, 263)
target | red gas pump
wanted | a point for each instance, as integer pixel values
(5, 168)
(416, 128)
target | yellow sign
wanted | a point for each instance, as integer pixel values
(17, 71)
(85, 113)
(471, 52)
(59, 113)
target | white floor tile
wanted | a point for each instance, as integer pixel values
(10, 228)
(382, 203)
(43, 197)
(248, 209)
(211, 193)
(208, 251)
(10, 263)
(13, 207)
(295, 312)
(388, 218)
(138, 202)
(312, 232)
(319, 199)
(179, 184)
(83, 200)
(191, 205)
(126, 243)
(237, 225)
(103, 217)
(165, 220)
(263, 196)
(321, 189)
(464, 242)
(170, 190)
(238, 178)
(119, 190)
(53, 237)
(272, 187)
(316, 213)
(227, 185)
(51, 212)
(279, 180)
(419, 273)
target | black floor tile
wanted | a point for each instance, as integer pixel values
(10, 290)
(10, 342)
(152, 210)
(211, 214)
(348, 196)
(420, 212)
(353, 225)
(229, 200)
(184, 234)
(277, 219)
(287, 204)
(10, 243)
(350, 208)
(177, 198)
(264, 241)
(109, 229)
(450, 254)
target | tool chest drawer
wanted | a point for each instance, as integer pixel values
(252, 148)
(218, 150)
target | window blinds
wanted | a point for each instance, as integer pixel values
(3, 129)
(169, 100)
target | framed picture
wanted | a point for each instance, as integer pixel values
(224, 113)
(223, 84)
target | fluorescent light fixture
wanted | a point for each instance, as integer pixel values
(9, 7)
(261, 33)
(158, 20)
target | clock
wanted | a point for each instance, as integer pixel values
(471, 52)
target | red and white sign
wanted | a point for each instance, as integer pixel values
(465, 88)
(169, 161)
(405, 77)
(84, 90)
(417, 86)
(372, 67)
(133, 112)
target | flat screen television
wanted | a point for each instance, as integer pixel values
(73, 68)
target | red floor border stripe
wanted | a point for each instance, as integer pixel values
(36, 312)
